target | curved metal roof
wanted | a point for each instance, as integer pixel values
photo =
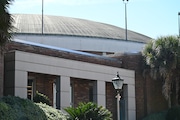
(58, 25)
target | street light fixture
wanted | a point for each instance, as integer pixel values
(118, 83)
(125, 3)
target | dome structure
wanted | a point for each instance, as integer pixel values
(77, 34)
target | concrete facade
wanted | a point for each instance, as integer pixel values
(103, 45)
(23, 61)
(19, 63)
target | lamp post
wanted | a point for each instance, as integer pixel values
(179, 22)
(118, 83)
(42, 17)
(125, 3)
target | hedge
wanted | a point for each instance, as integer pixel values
(15, 108)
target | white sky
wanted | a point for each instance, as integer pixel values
(153, 18)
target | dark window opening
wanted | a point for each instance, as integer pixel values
(30, 89)
(91, 94)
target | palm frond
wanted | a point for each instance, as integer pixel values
(163, 58)
(87, 111)
(5, 22)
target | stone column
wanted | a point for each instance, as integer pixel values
(65, 94)
(101, 93)
(129, 96)
(20, 84)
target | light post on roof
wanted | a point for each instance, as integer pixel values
(179, 22)
(118, 83)
(125, 3)
(42, 17)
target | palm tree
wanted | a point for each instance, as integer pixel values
(5, 35)
(163, 58)
(5, 22)
(88, 111)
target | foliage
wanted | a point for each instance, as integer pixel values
(5, 22)
(170, 114)
(51, 113)
(173, 113)
(39, 97)
(163, 58)
(157, 116)
(162, 52)
(15, 108)
(88, 111)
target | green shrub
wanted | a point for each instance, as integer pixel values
(39, 97)
(51, 113)
(88, 111)
(173, 113)
(15, 108)
(157, 116)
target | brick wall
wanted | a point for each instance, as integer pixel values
(80, 90)
(64, 54)
(111, 101)
(149, 98)
(155, 100)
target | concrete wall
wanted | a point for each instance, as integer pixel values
(19, 63)
(84, 43)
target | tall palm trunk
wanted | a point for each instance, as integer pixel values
(1, 74)
(177, 92)
(5, 35)
(167, 88)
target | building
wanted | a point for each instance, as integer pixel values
(57, 60)
(66, 77)
(77, 34)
